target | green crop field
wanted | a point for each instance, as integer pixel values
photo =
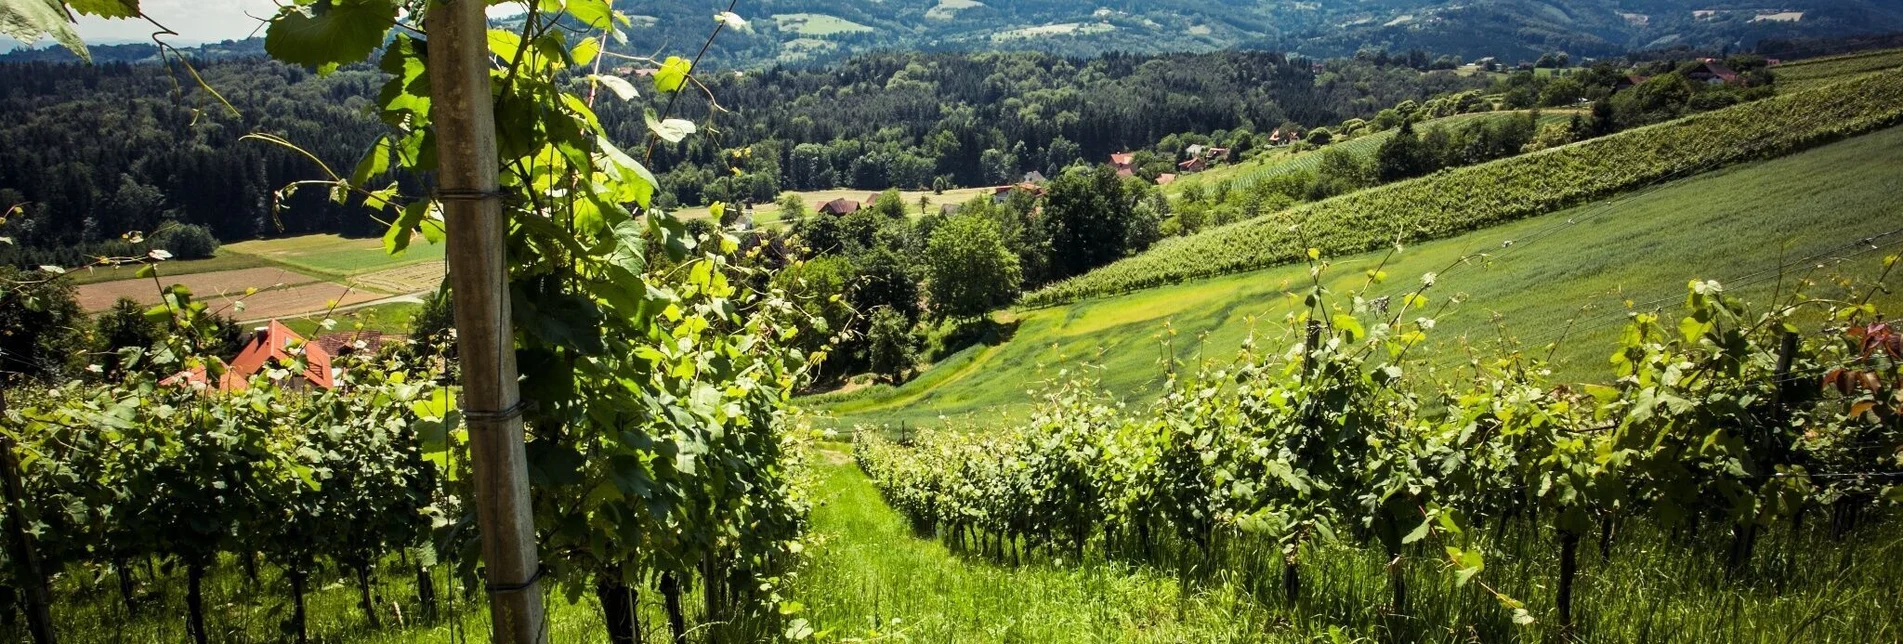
(1580, 263)
(1816, 72)
(387, 318)
(223, 260)
(334, 256)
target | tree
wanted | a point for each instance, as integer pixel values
(884, 281)
(123, 326)
(1088, 216)
(185, 241)
(42, 330)
(891, 348)
(970, 268)
(890, 205)
(1401, 156)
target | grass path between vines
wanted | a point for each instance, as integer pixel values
(871, 575)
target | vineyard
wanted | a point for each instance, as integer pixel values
(1812, 73)
(1455, 201)
(1740, 470)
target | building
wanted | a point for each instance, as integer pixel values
(1195, 164)
(1712, 72)
(1628, 81)
(1165, 179)
(1125, 163)
(270, 345)
(839, 207)
(1034, 177)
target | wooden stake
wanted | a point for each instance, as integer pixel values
(464, 116)
(39, 612)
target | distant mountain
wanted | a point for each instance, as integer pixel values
(804, 31)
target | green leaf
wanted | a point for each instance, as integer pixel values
(106, 8)
(1419, 533)
(594, 13)
(374, 163)
(329, 33)
(28, 20)
(1349, 326)
(672, 75)
(397, 238)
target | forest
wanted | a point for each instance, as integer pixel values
(128, 146)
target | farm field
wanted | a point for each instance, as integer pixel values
(393, 317)
(815, 24)
(335, 256)
(1582, 263)
(279, 292)
(223, 260)
(769, 213)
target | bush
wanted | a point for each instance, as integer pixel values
(185, 241)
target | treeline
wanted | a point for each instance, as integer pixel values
(89, 153)
(912, 120)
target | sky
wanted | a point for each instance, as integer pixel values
(196, 21)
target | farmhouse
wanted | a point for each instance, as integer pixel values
(1194, 164)
(270, 345)
(1628, 81)
(1713, 72)
(840, 206)
(1125, 163)
(1035, 177)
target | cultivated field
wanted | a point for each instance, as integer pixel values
(223, 260)
(276, 292)
(815, 24)
(1815, 72)
(335, 256)
(414, 278)
(1581, 264)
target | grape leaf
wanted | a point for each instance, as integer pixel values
(620, 86)
(27, 20)
(329, 33)
(671, 130)
(672, 75)
(106, 8)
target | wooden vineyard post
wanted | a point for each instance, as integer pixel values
(464, 115)
(39, 612)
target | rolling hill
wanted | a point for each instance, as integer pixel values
(1562, 278)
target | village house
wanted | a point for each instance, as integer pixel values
(272, 345)
(838, 207)
(1125, 163)
(1284, 137)
(1712, 72)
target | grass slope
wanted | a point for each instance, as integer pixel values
(1456, 201)
(1816, 72)
(869, 571)
(1643, 248)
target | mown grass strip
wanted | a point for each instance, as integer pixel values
(1456, 201)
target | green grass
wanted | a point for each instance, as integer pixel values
(334, 256)
(223, 260)
(388, 318)
(1642, 247)
(870, 572)
(817, 24)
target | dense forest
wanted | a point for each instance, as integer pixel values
(122, 147)
(90, 153)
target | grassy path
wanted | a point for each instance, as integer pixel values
(871, 575)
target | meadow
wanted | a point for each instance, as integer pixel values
(1563, 278)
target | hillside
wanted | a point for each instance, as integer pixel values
(807, 31)
(1455, 201)
(1808, 208)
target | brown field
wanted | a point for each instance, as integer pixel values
(280, 292)
(414, 278)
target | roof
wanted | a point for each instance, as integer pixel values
(1716, 70)
(839, 207)
(1034, 177)
(228, 380)
(344, 343)
(1126, 172)
(1192, 164)
(1165, 179)
(275, 343)
(1123, 158)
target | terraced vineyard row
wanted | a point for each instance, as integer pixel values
(1817, 72)
(1455, 201)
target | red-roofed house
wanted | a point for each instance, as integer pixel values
(1193, 165)
(274, 343)
(1125, 163)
